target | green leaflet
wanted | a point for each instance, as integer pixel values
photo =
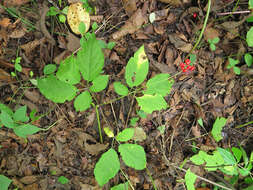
(150, 103)
(99, 83)
(107, 167)
(248, 59)
(5, 182)
(125, 135)
(133, 155)
(122, 186)
(5, 108)
(49, 69)
(69, 71)
(190, 179)
(83, 101)
(90, 58)
(6, 120)
(20, 114)
(159, 84)
(137, 68)
(249, 37)
(56, 90)
(26, 129)
(120, 89)
(219, 123)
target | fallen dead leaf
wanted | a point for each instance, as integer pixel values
(211, 33)
(131, 25)
(73, 42)
(129, 6)
(9, 3)
(18, 33)
(139, 134)
(179, 43)
(93, 149)
(5, 22)
(172, 2)
(30, 46)
(29, 179)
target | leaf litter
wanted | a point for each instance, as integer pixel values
(71, 147)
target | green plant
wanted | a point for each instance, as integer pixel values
(248, 59)
(212, 43)
(54, 11)
(232, 65)
(5, 182)
(249, 37)
(18, 121)
(63, 180)
(133, 156)
(225, 160)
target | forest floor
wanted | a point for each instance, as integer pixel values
(71, 147)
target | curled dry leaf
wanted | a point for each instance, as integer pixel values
(5, 22)
(130, 6)
(172, 2)
(76, 15)
(9, 3)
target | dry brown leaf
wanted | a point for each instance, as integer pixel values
(129, 6)
(131, 25)
(179, 43)
(30, 46)
(73, 42)
(5, 77)
(18, 33)
(139, 134)
(210, 33)
(9, 3)
(76, 15)
(29, 179)
(172, 2)
(196, 131)
(5, 22)
(93, 149)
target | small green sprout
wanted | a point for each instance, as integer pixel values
(232, 64)
(212, 43)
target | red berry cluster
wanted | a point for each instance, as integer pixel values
(186, 66)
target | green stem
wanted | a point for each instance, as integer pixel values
(203, 28)
(243, 125)
(99, 126)
(152, 180)
(127, 179)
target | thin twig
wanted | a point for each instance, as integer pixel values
(233, 13)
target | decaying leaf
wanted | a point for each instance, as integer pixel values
(84, 140)
(179, 43)
(139, 134)
(131, 26)
(9, 3)
(5, 22)
(130, 6)
(172, 2)
(76, 15)
(211, 33)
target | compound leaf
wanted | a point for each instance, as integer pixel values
(90, 59)
(107, 167)
(219, 123)
(237, 153)
(20, 114)
(159, 85)
(150, 103)
(69, 71)
(133, 155)
(26, 129)
(120, 89)
(99, 83)
(56, 90)
(190, 179)
(83, 101)
(137, 68)
(125, 135)
(5, 182)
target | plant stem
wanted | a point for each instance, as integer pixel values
(243, 125)
(123, 173)
(203, 28)
(152, 180)
(99, 126)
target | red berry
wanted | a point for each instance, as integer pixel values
(187, 61)
(194, 15)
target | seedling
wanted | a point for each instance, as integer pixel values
(17, 66)
(133, 156)
(212, 43)
(232, 64)
(53, 11)
(63, 180)
(249, 37)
